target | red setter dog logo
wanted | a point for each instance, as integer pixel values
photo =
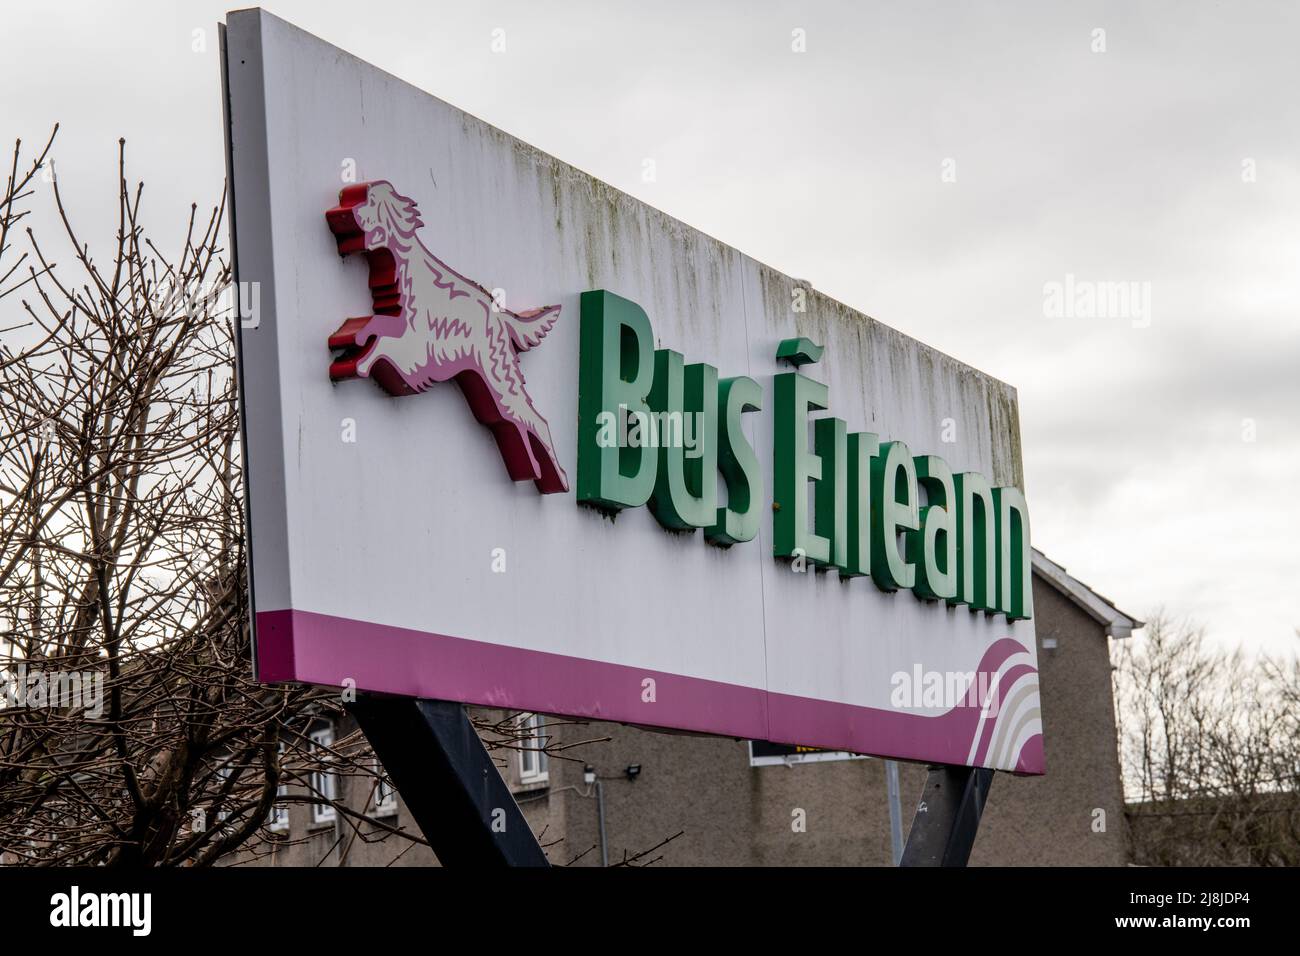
(432, 324)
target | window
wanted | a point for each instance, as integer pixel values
(534, 764)
(224, 773)
(324, 783)
(278, 819)
(385, 793)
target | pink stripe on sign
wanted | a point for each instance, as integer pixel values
(321, 649)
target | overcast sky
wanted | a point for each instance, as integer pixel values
(934, 165)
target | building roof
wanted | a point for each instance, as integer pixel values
(1100, 609)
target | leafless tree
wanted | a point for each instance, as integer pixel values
(121, 564)
(1211, 750)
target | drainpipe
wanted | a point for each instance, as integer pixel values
(895, 811)
(589, 778)
(600, 811)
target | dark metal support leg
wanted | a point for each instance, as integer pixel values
(448, 781)
(947, 816)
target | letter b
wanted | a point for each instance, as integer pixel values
(615, 368)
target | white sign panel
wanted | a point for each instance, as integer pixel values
(514, 438)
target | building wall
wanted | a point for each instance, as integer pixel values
(309, 844)
(701, 794)
(1050, 819)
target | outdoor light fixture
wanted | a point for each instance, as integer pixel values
(589, 775)
(633, 771)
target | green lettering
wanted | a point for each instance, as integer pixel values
(738, 521)
(933, 549)
(976, 543)
(685, 403)
(893, 492)
(862, 448)
(1015, 563)
(794, 395)
(615, 374)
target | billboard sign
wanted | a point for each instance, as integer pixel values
(763, 753)
(517, 439)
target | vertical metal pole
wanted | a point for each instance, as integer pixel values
(600, 813)
(338, 833)
(895, 811)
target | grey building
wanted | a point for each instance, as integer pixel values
(686, 800)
